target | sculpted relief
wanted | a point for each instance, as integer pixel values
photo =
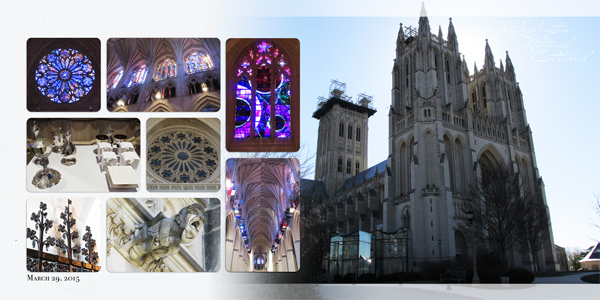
(151, 242)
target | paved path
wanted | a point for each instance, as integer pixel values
(575, 278)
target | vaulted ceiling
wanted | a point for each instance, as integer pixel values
(263, 189)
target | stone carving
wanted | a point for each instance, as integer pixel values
(116, 230)
(161, 237)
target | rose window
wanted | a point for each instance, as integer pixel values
(65, 75)
(182, 157)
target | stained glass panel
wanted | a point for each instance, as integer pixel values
(198, 62)
(138, 76)
(262, 108)
(65, 75)
(165, 70)
(282, 108)
(242, 109)
(267, 62)
(114, 80)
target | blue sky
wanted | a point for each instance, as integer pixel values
(556, 61)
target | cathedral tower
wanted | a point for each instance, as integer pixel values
(343, 136)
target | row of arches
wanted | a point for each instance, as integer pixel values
(166, 91)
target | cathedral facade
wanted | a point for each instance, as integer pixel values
(445, 124)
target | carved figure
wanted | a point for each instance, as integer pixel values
(161, 237)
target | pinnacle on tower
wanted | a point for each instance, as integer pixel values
(400, 34)
(489, 57)
(424, 21)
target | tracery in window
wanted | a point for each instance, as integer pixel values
(349, 132)
(114, 80)
(447, 71)
(358, 134)
(165, 70)
(65, 75)
(198, 62)
(263, 90)
(138, 76)
(349, 167)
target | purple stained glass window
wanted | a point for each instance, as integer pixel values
(263, 92)
(242, 109)
(282, 108)
(65, 75)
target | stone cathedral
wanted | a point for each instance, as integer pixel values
(444, 124)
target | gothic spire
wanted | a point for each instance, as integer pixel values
(452, 40)
(423, 20)
(464, 65)
(440, 34)
(400, 35)
(489, 57)
(399, 41)
(510, 69)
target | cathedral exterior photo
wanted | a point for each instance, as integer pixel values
(446, 125)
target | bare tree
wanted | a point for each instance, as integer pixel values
(304, 155)
(535, 224)
(574, 255)
(596, 208)
(313, 236)
(498, 207)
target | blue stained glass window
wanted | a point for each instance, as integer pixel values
(198, 62)
(114, 80)
(268, 70)
(65, 75)
(138, 76)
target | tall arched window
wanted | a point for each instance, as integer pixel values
(358, 134)
(138, 76)
(341, 134)
(406, 218)
(357, 167)
(407, 72)
(484, 95)
(447, 70)
(349, 166)
(197, 62)
(340, 162)
(263, 93)
(350, 132)
(166, 69)
(113, 81)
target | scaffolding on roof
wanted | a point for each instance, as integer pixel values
(337, 89)
(365, 100)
